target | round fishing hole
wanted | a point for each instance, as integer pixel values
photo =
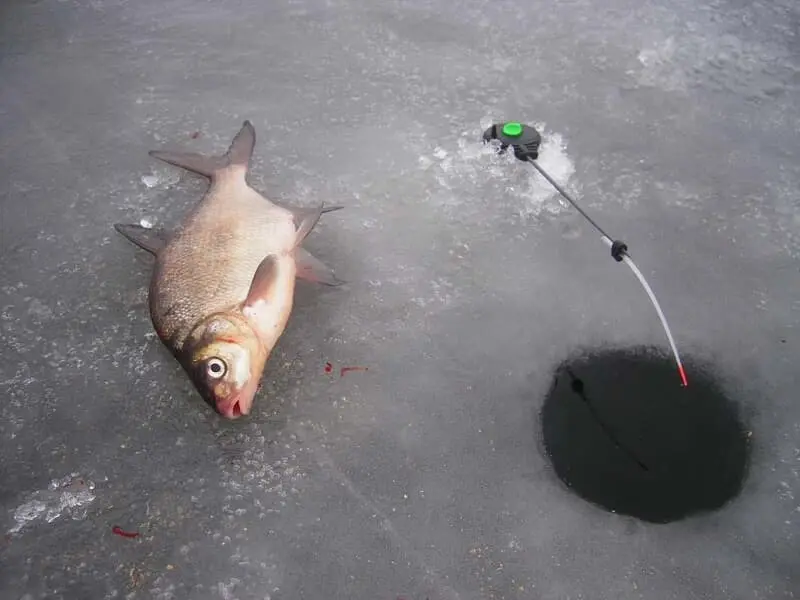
(622, 433)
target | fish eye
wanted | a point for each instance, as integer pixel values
(216, 368)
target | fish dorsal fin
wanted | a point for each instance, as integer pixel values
(263, 283)
(238, 155)
(150, 239)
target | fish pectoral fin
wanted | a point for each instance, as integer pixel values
(263, 283)
(150, 239)
(310, 268)
(238, 155)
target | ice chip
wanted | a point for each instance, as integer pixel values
(150, 180)
(70, 495)
(171, 177)
(29, 511)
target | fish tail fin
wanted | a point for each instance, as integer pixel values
(191, 161)
(152, 240)
(237, 157)
(241, 148)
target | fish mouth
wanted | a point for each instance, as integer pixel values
(239, 404)
(233, 408)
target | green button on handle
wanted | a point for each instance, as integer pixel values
(512, 129)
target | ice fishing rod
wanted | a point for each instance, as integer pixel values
(525, 141)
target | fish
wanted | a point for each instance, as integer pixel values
(223, 281)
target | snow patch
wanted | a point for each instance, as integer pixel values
(70, 495)
(472, 177)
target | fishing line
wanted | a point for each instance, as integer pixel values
(525, 141)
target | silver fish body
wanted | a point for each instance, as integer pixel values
(222, 287)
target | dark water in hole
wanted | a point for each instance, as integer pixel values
(622, 432)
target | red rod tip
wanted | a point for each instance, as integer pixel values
(683, 376)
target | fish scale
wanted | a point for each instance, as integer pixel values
(229, 235)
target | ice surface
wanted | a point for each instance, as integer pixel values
(70, 495)
(150, 180)
(674, 124)
(470, 175)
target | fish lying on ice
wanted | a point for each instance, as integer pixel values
(222, 287)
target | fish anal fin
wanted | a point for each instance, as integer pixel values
(294, 209)
(310, 268)
(305, 219)
(150, 239)
(301, 213)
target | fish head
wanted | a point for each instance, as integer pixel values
(225, 360)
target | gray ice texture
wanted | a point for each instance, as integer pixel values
(675, 123)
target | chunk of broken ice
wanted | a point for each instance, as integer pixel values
(150, 180)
